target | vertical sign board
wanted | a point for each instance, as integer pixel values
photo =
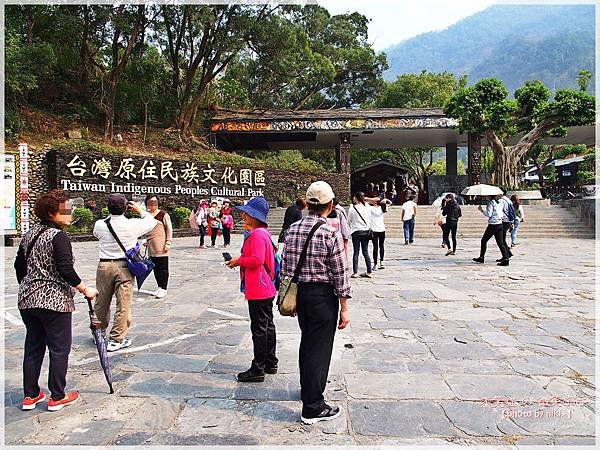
(24, 187)
(8, 201)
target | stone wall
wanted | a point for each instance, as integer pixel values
(95, 175)
(584, 209)
(38, 177)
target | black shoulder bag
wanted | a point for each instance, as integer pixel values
(369, 232)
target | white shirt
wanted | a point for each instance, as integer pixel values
(409, 208)
(377, 223)
(354, 219)
(128, 231)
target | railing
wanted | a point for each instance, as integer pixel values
(558, 193)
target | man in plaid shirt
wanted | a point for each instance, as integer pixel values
(323, 292)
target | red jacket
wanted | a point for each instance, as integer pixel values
(256, 252)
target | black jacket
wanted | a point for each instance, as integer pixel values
(452, 211)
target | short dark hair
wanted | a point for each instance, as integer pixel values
(318, 208)
(48, 204)
(149, 196)
(301, 202)
(360, 196)
(116, 209)
(412, 197)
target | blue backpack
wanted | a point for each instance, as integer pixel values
(276, 278)
(510, 212)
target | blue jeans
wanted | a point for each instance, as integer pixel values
(409, 230)
(514, 232)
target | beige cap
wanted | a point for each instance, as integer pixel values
(319, 193)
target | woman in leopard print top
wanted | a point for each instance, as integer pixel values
(47, 284)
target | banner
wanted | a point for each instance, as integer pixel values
(8, 200)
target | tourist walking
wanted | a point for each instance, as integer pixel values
(46, 277)
(359, 219)
(519, 218)
(226, 217)
(201, 218)
(493, 211)
(293, 214)
(158, 242)
(344, 227)
(257, 268)
(409, 214)
(508, 219)
(439, 220)
(214, 223)
(323, 291)
(113, 276)
(452, 212)
(378, 209)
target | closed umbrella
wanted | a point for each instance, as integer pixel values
(482, 190)
(101, 346)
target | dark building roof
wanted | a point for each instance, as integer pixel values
(330, 114)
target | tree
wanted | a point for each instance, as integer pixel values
(583, 80)
(424, 90)
(326, 61)
(485, 109)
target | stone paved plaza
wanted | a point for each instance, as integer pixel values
(440, 350)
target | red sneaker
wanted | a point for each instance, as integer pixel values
(70, 398)
(30, 403)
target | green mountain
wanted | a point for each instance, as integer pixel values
(514, 43)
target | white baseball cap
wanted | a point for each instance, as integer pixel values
(319, 193)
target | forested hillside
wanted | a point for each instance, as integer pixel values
(515, 43)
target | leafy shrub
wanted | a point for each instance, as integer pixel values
(180, 216)
(81, 145)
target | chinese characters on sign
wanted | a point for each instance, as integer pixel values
(127, 169)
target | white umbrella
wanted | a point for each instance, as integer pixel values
(482, 190)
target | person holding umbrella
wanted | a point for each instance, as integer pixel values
(47, 283)
(494, 211)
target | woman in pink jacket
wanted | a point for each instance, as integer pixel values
(257, 263)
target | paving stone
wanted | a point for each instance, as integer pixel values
(409, 419)
(478, 419)
(165, 362)
(498, 339)
(408, 314)
(459, 350)
(137, 438)
(477, 387)
(474, 366)
(176, 386)
(229, 439)
(103, 431)
(554, 421)
(397, 386)
(158, 414)
(582, 364)
(275, 387)
(538, 365)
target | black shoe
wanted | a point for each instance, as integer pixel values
(251, 376)
(405, 242)
(500, 260)
(271, 370)
(328, 413)
(449, 253)
(478, 260)
(411, 241)
(503, 262)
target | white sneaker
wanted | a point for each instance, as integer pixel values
(160, 293)
(113, 346)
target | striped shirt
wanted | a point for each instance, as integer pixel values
(325, 259)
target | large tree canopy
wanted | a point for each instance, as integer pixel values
(107, 62)
(485, 109)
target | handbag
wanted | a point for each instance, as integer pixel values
(137, 264)
(287, 295)
(369, 232)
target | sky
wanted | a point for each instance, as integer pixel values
(396, 20)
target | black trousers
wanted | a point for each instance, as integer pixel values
(317, 311)
(360, 241)
(52, 329)
(161, 270)
(214, 233)
(202, 231)
(505, 228)
(378, 249)
(226, 235)
(450, 227)
(496, 231)
(264, 338)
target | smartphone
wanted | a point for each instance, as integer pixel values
(227, 256)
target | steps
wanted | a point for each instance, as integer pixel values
(540, 222)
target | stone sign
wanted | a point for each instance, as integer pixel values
(178, 182)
